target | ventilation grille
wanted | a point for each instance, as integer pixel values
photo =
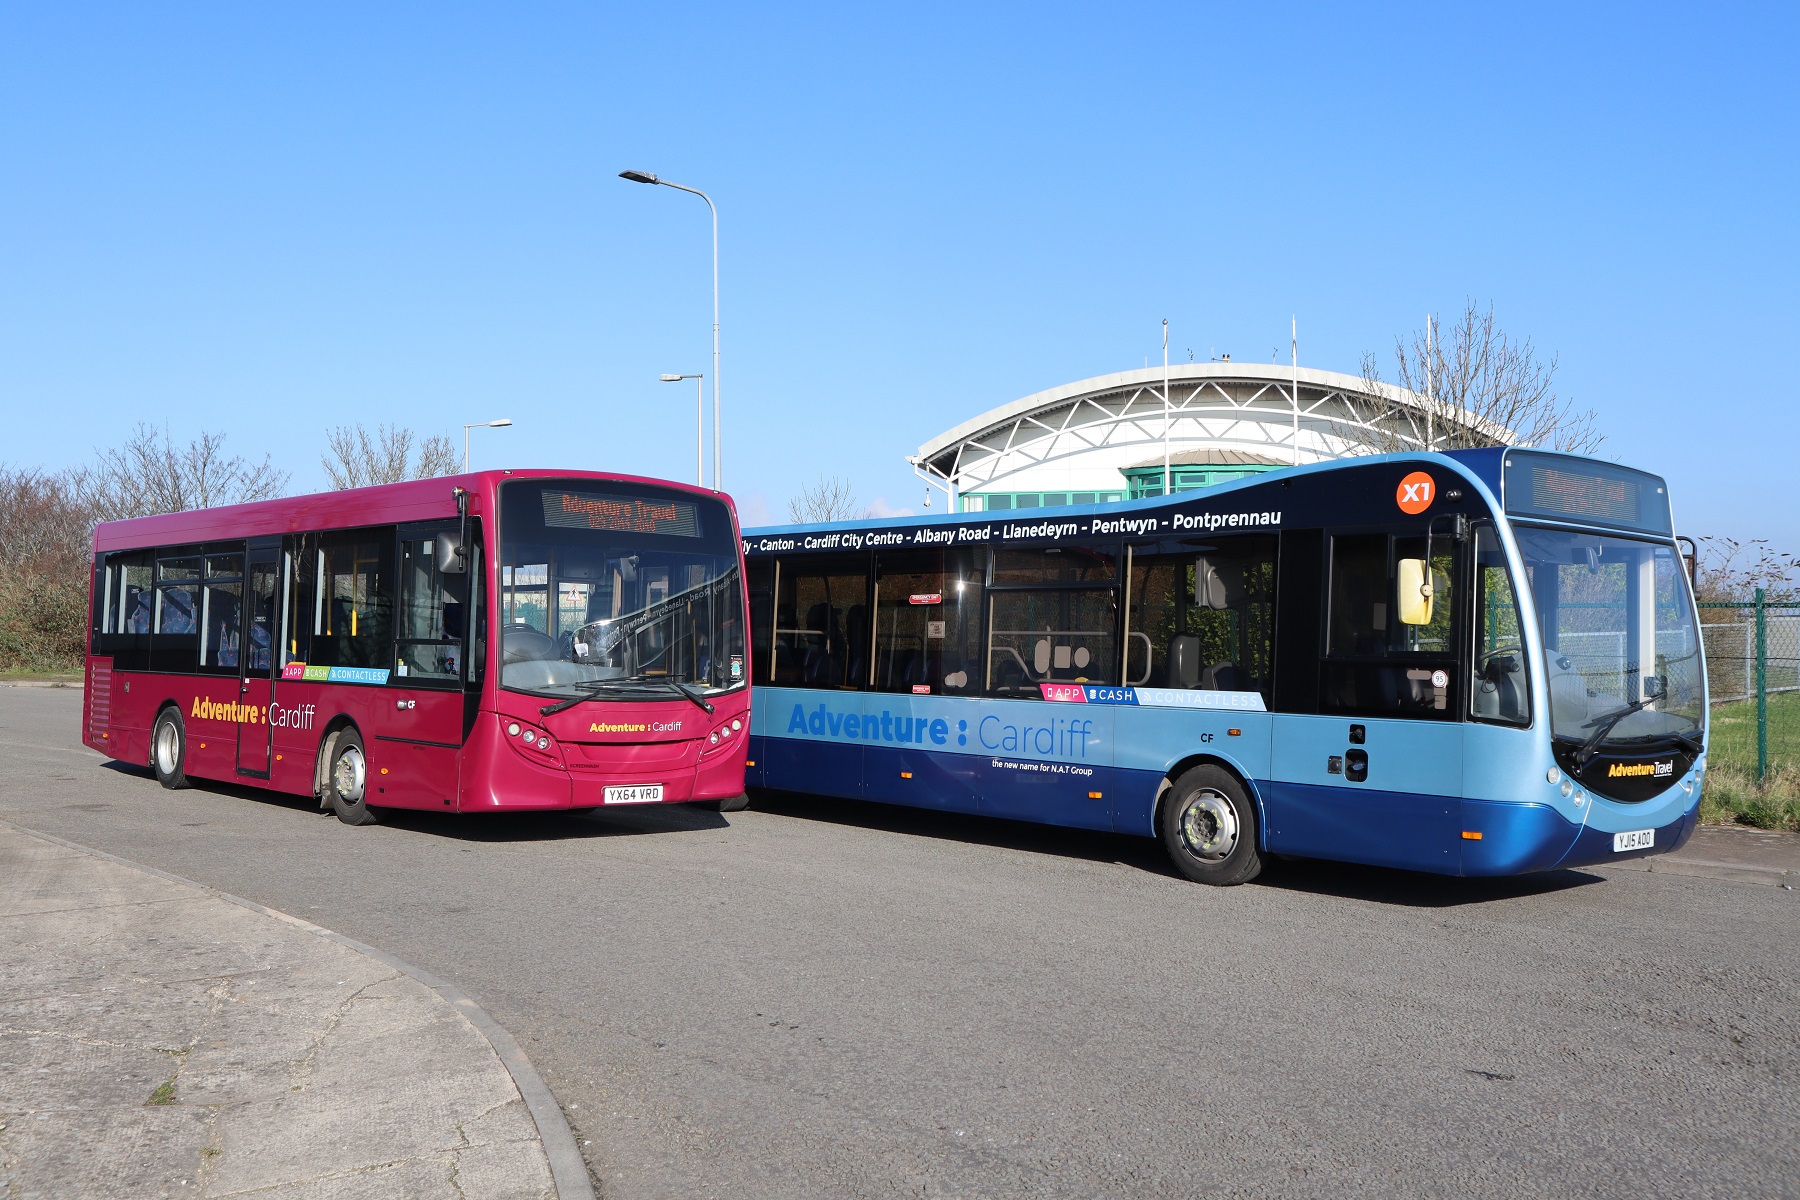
(99, 698)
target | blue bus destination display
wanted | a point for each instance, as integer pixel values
(1554, 486)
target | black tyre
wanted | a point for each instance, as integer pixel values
(347, 780)
(1208, 827)
(733, 804)
(168, 748)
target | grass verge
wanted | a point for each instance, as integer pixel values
(1732, 794)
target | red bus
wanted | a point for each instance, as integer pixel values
(492, 642)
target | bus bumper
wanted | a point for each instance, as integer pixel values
(1519, 838)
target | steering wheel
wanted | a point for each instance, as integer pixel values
(1508, 657)
(520, 642)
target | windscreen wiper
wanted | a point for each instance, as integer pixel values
(589, 689)
(678, 686)
(1591, 747)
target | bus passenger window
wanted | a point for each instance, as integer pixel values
(928, 620)
(1040, 636)
(353, 609)
(1203, 615)
(822, 622)
(221, 603)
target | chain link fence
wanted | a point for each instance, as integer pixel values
(1753, 675)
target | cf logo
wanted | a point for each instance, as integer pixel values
(1414, 493)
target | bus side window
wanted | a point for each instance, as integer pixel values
(1052, 618)
(353, 608)
(928, 620)
(433, 617)
(759, 579)
(822, 622)
(1375, 663)
(1501, 691)
(221, 612)
(1203, 615)
(297, 584)
(175, 615)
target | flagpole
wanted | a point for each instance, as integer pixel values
(1166, 488)
(1295, 329)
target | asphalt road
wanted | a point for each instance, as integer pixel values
(819, 999)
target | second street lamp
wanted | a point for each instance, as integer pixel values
(718, 451)
(502, 423)
(699, 425)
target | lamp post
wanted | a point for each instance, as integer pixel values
(699, 424)
(718, 452)
(502, 423)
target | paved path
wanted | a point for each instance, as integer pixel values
(158, 1040)
(833, 1000)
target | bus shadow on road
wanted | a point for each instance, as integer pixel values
(637, 821)
(1350, 881)
(481, 827)
(1413, 889)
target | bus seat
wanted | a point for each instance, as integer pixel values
(1224, 677)
(1184, 661)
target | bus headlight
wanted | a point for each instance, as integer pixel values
(1567, 789)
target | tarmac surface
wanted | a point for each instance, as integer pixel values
(837, 1000)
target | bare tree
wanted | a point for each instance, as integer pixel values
(1732, 570)
(1481, 388)
(829, 498)
(43, 521)
(354, 459)
(45, 537)
(151, 474)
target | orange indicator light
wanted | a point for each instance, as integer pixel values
(906, 774)
(1234, 733)
(749, 762)
(384, 770)
(203, 745)
(1093, 795)
(278, 758)
(1470, 835)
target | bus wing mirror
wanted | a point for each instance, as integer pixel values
(447, 549)
(1414, 592)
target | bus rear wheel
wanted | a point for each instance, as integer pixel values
(730, 804)
(168, 749)
(347, 780)
(1208, 827)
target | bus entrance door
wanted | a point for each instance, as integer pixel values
(256, 686)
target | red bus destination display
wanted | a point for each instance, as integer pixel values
(629, 514)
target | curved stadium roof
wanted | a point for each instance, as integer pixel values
(1080, 436)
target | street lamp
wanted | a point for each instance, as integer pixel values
(699, 424)
(718, 452)
(500, 424)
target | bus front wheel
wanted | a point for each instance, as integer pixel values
(1208, 827)
(168, 749)
(347, 780)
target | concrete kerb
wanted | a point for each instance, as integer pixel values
(568, 1170)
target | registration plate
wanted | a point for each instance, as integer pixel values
(643, 793)
(1637, 839)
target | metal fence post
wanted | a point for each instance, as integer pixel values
(1762, 688)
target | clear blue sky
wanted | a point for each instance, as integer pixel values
(271, 219)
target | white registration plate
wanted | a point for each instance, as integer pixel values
(643, 793)
(1637, 839)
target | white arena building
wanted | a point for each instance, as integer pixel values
(1102, 439)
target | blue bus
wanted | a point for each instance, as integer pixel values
(1481, 662)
